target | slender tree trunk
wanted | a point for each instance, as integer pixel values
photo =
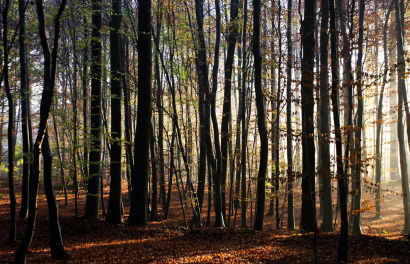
(154, 200)
(56, 241)
(289, 147)
(114, 202)
(85, 102)
(402, 100)
(324, 136)
(308, 218)
(139, 195)
(50, 65)
(25, 109)
(226, 112)
(340, 175)
(91, 206)
(10, 130)
(221, 157)
(161, 166)
(244, 135)
(277, 136)
(356, 183)
(260, 106)
(380, 116)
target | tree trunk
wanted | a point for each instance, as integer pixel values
(324, 136)
(402, 100)
(289, 148)
(50, 65)
(25, 109)
(56, 241)
(114, 202)
(91, 206)
(244, 147)
(139, 195)
(260, 106)
(380, 116)
(308, 218)
(10, 130)
(341, 177)
(221, 157)
(154, 200)
(356, 182)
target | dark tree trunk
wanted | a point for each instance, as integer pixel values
(324, 164)
(308, 218)
(50, 65)
(260, 106)
(10, 130)
(205, 140)
(114, 202)
(220, 157)
(93, 181)
(341, 177)
(161, 165)
(356, 183)
(25, 109)
(289, 147)
(56, 241)
(154, 200)
(277, 130)
(139, 179)
(84, 78)
(244, 136)
(127, 111)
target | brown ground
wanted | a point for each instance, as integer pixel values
(167, 242)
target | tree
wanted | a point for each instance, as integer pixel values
(324, 136)
(221, 157)
(308, 218)
(260, 106)
(340, 175)
(50, 65)
(232, 37)
(243, 116)
(402, 101)
(56, 241)
(380, 113)
(356, 185)
(139, 179)
(25, 109)
(114, 202)
(93, 183)
(10, 130)
(289, 150)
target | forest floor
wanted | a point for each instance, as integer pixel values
(167, 241)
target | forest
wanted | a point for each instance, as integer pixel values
(204, 131)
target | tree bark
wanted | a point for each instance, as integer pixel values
(324, 136)
(56, 241)
(139, 195)
(25, 109)
(114, 202)
(289, 148)
(308, 218)
(341, 177)
(356, 183)
(10, 129)
(260, 106)
(50, 65)
(402, 100)
(91, 206)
